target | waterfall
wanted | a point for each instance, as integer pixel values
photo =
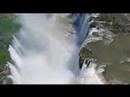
(81, 24)
(46, 49)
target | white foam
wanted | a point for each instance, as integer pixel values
(43, 52)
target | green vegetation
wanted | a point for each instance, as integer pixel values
(8, 27)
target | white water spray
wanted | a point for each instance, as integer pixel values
(44, 51)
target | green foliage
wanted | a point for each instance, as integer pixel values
(7, 23)
(4, 56)
(8, 27)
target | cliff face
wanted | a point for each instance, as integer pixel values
(110, 45)
(116, 23)
(105, 27)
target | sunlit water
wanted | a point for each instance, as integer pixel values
(45, 52)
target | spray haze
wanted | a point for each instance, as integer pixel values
(42, 49)
(45, 50)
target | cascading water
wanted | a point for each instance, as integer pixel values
(46, 50)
